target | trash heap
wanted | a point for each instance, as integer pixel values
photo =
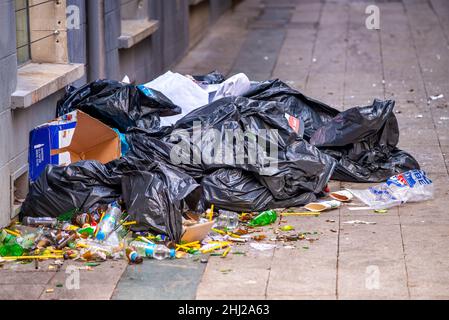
(138, 172)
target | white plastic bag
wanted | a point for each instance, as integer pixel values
(410, 186)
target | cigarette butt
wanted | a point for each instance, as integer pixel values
(50, 290)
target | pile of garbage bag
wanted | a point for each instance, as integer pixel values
(264, 147)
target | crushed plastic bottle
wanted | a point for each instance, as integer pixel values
(227, 220)
(155, 251)
(264, 219)
(109, 221)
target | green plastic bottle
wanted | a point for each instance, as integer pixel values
(11, 250)
(264, 219)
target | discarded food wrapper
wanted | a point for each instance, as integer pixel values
(323, 206)
(343, 195)
(410, 186)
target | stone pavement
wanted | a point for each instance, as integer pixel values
(323, 49)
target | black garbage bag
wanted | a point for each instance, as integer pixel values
(312, 112)
(363, 140)
(237, 190)
(156, 199)
(119, 105)
(255, 136)
(63, 188)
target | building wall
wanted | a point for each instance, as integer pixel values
(142, 62)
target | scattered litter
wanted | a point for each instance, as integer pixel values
(359, 222)
(411, 186)
(262, 246)
(323, 206)
(225, 271)
(287, 228)
(259, 237)
(343, 195)
(436, 97)
(144, 205)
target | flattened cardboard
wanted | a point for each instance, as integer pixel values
(197, 232)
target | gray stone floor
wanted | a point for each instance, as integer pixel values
(323, 49)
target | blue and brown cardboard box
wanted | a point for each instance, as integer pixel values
(73, 137)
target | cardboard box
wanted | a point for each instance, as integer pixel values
(73, 137)
(197, 232)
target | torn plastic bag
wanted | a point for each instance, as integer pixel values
(314, 113)
(60, 189)
(410, 186)
(236, 190)
(155, 199)
(363, 140)
(119, 105)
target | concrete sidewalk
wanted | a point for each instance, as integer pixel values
(324, 49)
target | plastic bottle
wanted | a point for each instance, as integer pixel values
(156, 251)
(227, 219)
(133, 256)
(11, 250)
(40, 221)
(109, 221)
(263, 219)
(27, 241)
